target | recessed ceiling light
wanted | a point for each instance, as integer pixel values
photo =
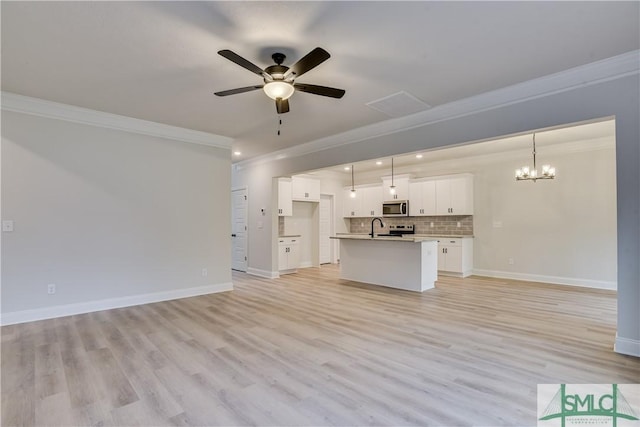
(237, 153)
(379, 162)
(346, 168)
(418, 156)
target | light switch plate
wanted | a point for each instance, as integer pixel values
(7, 225)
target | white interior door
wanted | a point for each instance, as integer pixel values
(239, 229)
(325, 228)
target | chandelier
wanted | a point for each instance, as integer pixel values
(527, 174)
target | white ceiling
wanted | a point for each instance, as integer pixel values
(549, 143)
(158, 61)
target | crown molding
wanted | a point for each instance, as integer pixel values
(55, 110)
(589, 74)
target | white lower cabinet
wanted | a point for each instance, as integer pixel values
(455, 256)
(288, 255)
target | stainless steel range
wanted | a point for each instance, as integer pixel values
(399, 230)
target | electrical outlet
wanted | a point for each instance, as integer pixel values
(432, 225)
(458, 224)
(511, 261)
(51, 288)
(7, 225)
(205, 272)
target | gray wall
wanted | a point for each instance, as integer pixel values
(619, 98)
(108, 214)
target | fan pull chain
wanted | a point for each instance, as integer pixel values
(279, 124)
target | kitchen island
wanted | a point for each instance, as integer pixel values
(409, 263)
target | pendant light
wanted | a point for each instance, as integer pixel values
(392, 188)
(527, 174)
(353, 190)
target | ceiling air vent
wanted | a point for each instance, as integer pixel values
(398, 105)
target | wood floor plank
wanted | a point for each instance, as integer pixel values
(80, 378)
(54, 410)
(49, 371)
(313, 349)
(115, 384)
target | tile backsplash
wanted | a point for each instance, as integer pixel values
(442, 225)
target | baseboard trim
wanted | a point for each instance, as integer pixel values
(556, 280)
(627, 346)
(263, 273)
(24, 316)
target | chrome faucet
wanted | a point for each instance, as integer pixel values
(372, 221)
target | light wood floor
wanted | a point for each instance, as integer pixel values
(310, 349)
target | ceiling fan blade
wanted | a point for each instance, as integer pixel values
(238, 90)
(234, 57)
(311, 60)
(320, 90)
(282, 105)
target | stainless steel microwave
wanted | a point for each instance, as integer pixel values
(395, 208)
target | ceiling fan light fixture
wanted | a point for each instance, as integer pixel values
(278, 89)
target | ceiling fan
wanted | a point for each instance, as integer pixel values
(279, 80)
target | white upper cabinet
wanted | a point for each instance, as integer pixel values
(422, 198)
(285, 204)
(305, 189)
(454, 195)
(351, 206)
(442, 195)
(371, 200)
(401, 182)
(368, 202)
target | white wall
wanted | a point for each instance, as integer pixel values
(108, 216)
(558, 231)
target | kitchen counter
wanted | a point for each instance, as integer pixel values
(404, 238)
(446, 236)
(389, 261)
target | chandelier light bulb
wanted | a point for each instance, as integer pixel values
(353, 194)
(392, 190)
